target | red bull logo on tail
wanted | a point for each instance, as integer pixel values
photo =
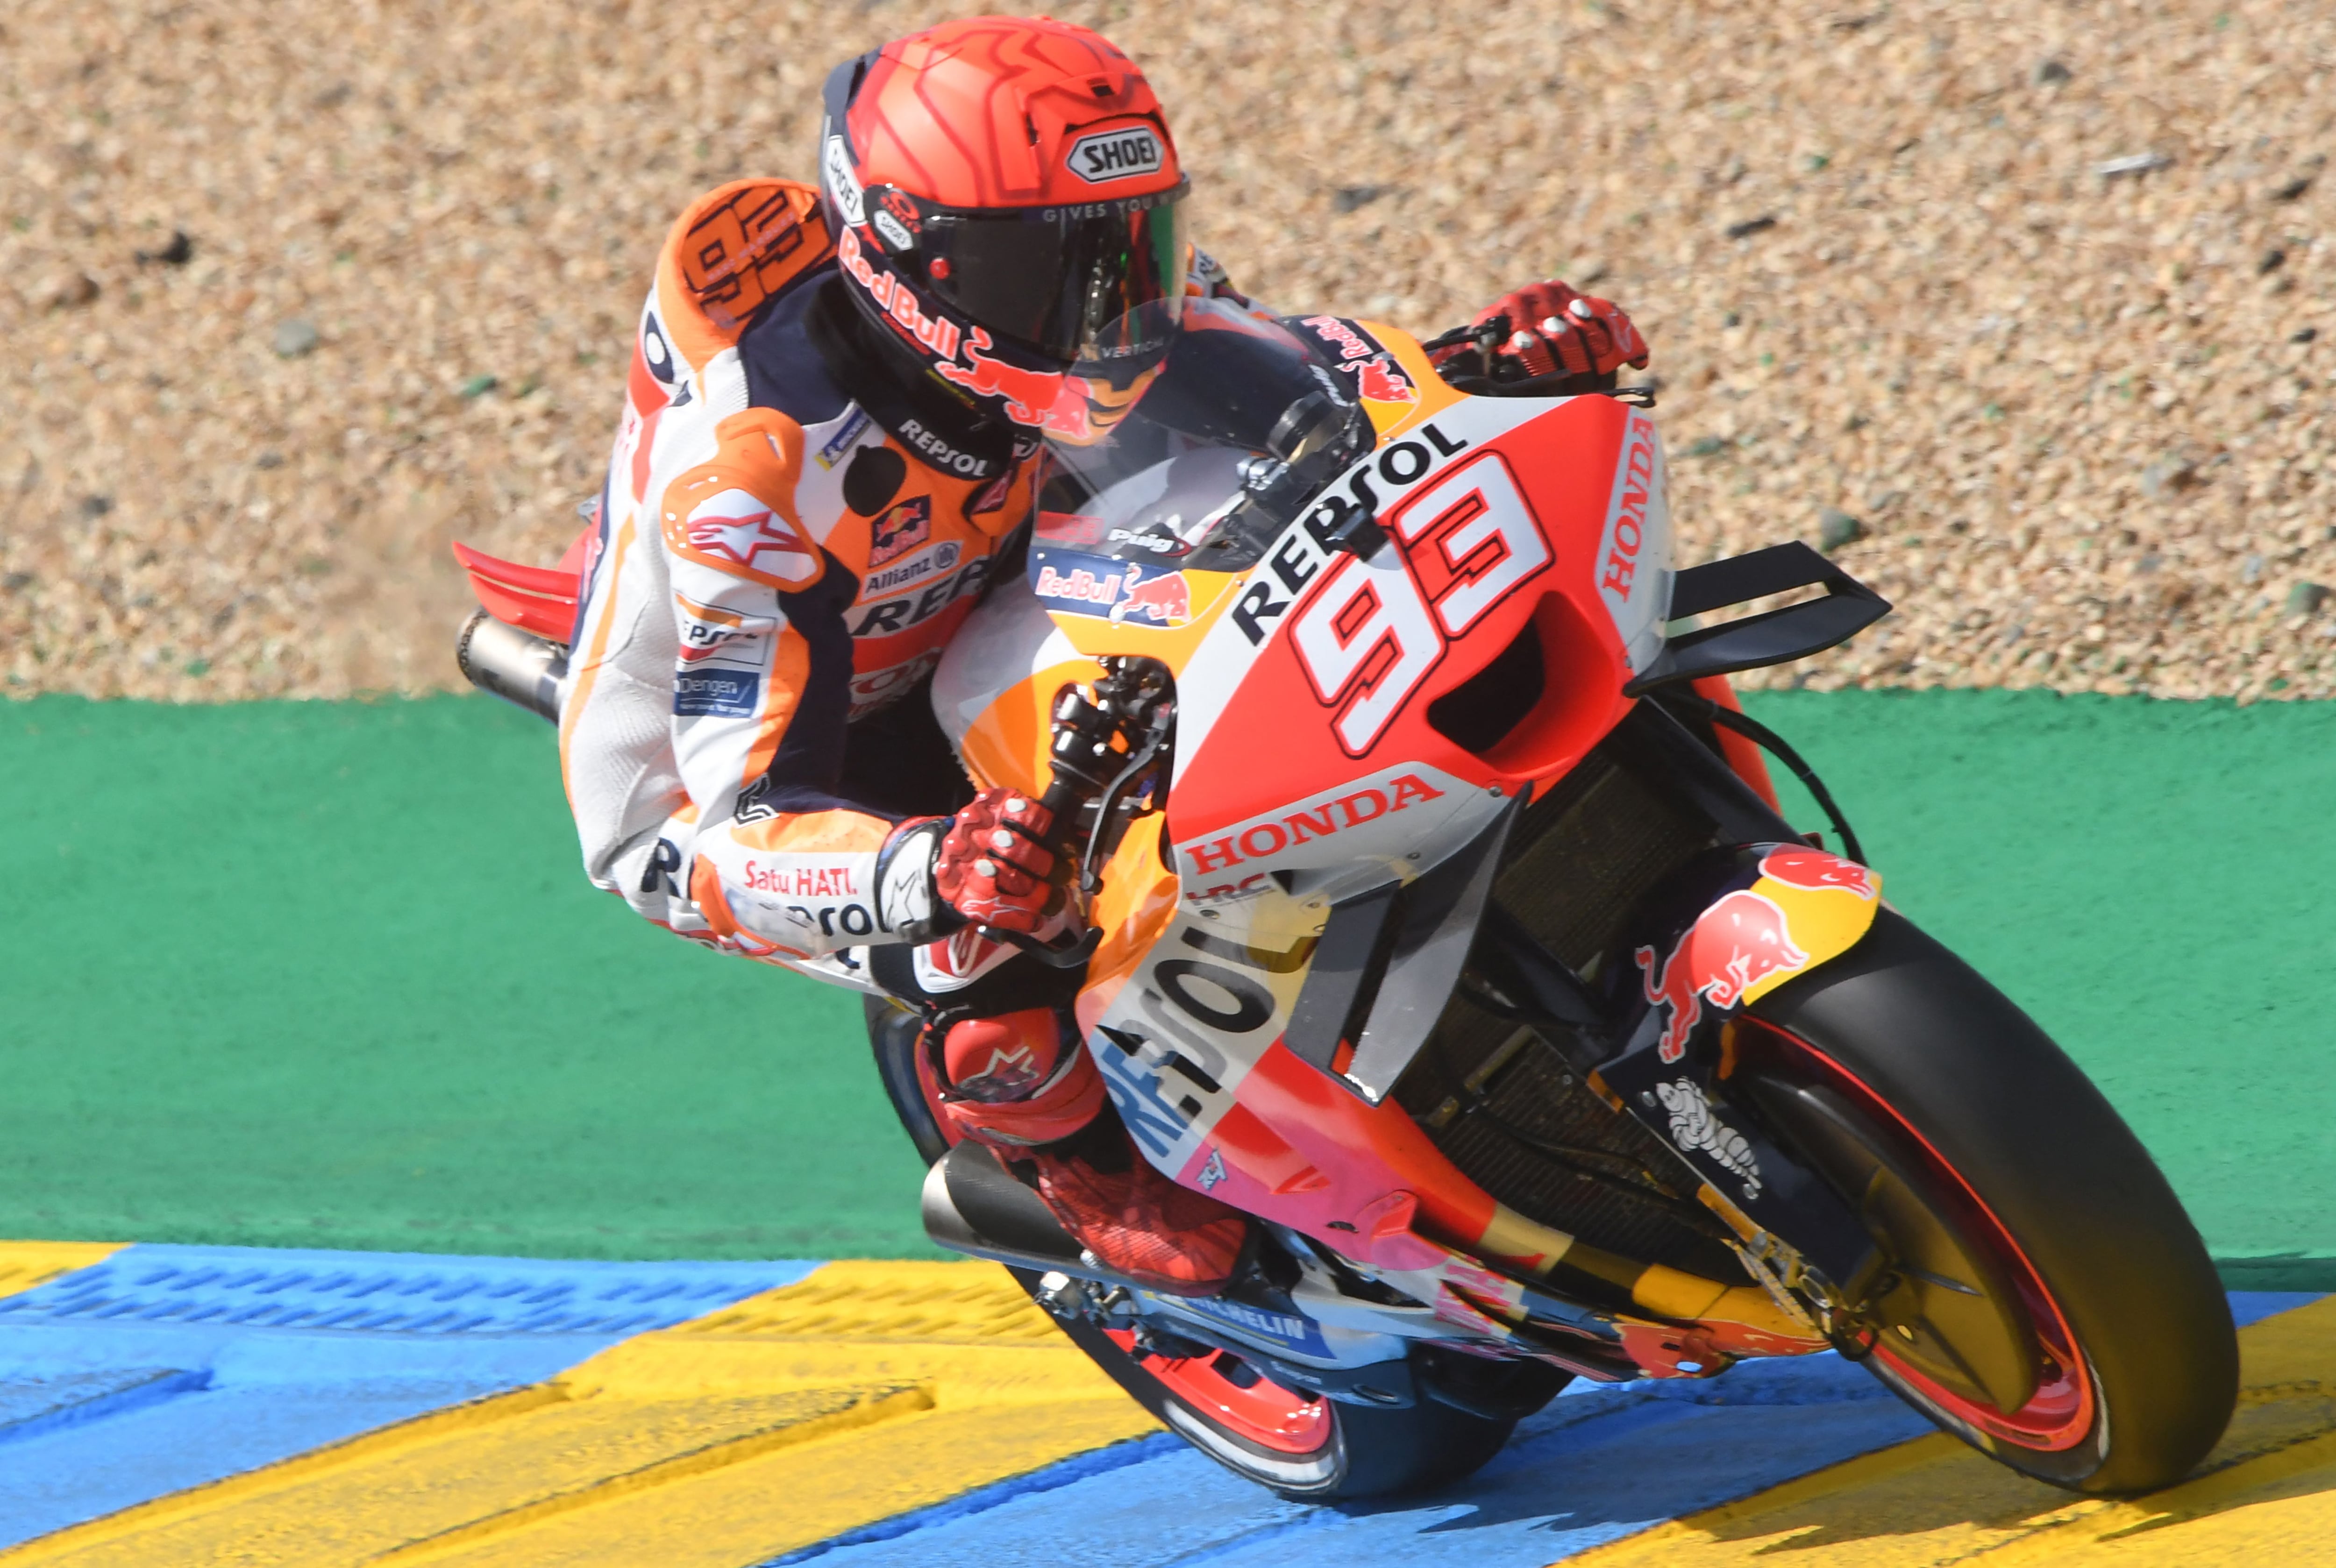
(1819, 872)
(1733, 946)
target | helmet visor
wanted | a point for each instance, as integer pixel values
(1097, 281)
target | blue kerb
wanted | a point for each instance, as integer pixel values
(389, 1293)
(165, 1368)
(1600, 1462)
(37, 1408)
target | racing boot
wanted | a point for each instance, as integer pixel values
(1018, 1083)
(1134, 1220)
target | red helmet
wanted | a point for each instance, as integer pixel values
(1006, 198)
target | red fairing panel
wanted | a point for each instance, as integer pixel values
(1310, 768)
(1329, 665)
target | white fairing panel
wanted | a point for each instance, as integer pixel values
(1634, 553)
(1009, 638)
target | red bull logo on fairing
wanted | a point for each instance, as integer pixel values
(1376, 375)
(1818, 872)
(1733, 946)
(1162, 599)
(1382, 384)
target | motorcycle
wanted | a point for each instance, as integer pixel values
(1431, 904)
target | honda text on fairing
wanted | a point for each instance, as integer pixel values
(1432, 907)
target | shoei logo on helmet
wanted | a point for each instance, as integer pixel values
(842, 184)
(1120, 154)
(896, 233)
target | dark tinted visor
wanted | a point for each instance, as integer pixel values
(1065, 281)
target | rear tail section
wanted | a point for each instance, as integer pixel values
(517, 647)
(537, 599)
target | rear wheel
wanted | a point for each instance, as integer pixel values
(1297, 1444)
(1300, 1446)
(2041, 1294)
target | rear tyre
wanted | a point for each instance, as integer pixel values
(893, 1033)
(1304, 1448)
(2029, 1218)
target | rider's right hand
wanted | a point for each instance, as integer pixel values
(993, 864)
(1555, 330)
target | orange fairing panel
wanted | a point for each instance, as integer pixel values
(1005, 746)
(538, 599)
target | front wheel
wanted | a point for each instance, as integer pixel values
(2041, 1293)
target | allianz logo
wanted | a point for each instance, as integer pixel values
(939, 558)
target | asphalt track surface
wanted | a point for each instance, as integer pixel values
(308, 976)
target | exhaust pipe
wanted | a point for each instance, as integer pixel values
(519, 667)
(972, 1206)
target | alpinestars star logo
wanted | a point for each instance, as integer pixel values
(733, 530)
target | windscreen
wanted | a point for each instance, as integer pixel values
(1241, 429)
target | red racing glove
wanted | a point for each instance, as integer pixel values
(993, 864)
(1555, 331)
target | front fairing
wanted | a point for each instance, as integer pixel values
(1301, 790)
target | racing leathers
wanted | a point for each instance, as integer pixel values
(798, 515)
(796, 518)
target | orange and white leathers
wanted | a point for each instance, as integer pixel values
(763, 578)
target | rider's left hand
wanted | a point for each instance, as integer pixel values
(1555, 330)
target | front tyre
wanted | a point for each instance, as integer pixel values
(2051, 1302)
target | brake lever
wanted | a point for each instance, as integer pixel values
(1486, 336)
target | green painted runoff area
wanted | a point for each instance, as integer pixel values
(327, 975)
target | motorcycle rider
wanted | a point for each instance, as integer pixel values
(828, 444)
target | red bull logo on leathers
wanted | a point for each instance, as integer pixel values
(1735, 945)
